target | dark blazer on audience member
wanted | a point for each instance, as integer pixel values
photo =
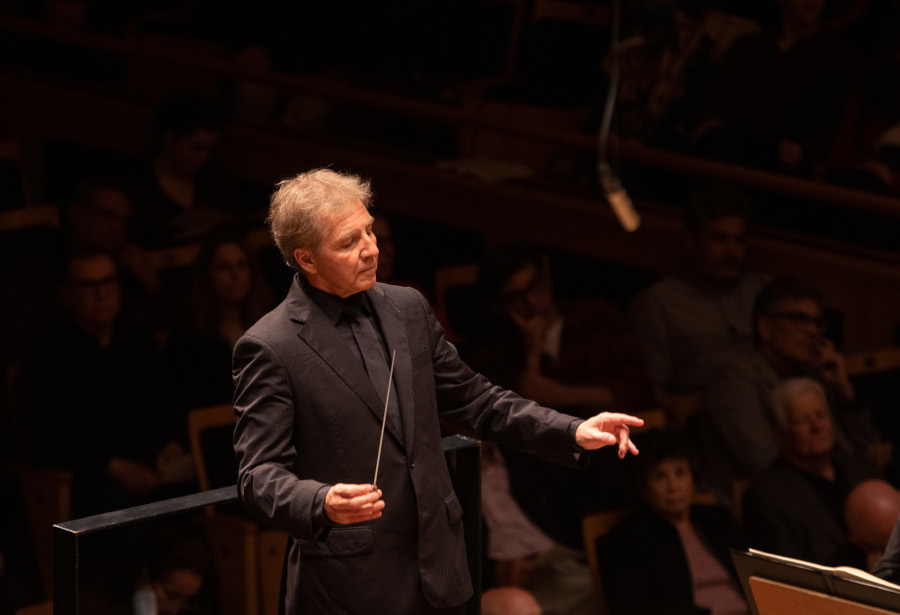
(309, 417)
(644, 567)
(784, 514)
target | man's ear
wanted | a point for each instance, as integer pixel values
(305, 259)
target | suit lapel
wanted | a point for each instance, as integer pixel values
(319, 333)
(397, 340)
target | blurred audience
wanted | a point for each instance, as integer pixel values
(671, 555)
(180, 190)
(795, 506)
(92, 392)
(687, 322)
(509, 601)
(177, 576)
(781, 94)
(228, 294)
(522, 555)
(871, 509)
(789, 326)
(98, 218)
(670, 56)
(577, 355)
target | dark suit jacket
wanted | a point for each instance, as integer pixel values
(309, 417)
(644, 566)
(784, 514)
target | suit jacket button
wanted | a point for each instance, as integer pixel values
(412, 464)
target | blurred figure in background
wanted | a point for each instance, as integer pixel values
(671, 556)
(795, 507)
(687, 322)
(228, 294)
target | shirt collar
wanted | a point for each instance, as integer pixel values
(334, 306)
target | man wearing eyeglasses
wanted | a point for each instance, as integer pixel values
(790, 341)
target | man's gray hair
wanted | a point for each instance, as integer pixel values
(300, 206)
(785, 392)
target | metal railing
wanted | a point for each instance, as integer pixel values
(463, 461)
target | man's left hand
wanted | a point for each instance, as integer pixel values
(606, 429)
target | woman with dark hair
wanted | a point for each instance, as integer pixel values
(671, 555)
(228, 294)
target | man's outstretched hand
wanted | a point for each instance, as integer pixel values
(607, 429)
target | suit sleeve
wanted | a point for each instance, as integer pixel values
(268, 485)
(467, 399)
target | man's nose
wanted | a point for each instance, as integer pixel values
(370, 248)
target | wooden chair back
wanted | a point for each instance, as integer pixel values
(593, 526)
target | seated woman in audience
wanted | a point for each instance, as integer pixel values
(228, 294)
(670, 556)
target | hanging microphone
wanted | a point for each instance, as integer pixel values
(612, 188)
(617, 198)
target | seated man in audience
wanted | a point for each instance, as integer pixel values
(91, 391)
(871, 510)
(98, 218)
(790, 341)
(795, 507)
(687, 322)
(576, 354)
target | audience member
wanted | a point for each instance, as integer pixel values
(91, 392)
(98, 218)
(888, 568)
(795, 507)
(782, 93)
(227, 295)
(177, 574)
(870, 511)
(509, 601)
(576, 354)
(180, 191)
(790, 342)
(522, 555)
(687, 322)
(668, 67)
(671, 555)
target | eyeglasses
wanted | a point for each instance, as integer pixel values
(802, 319)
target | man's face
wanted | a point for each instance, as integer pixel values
(229, 274)
(103, 222)
(794, 332)
(669, 488)
(528, 293)
(810, 432)
(189, 153)
(719, 249)
(176, 590)
(348, 255)
(91, 291)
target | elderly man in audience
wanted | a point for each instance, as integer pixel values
(796, 505)
(790, 342)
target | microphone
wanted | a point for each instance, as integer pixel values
(617, 198)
